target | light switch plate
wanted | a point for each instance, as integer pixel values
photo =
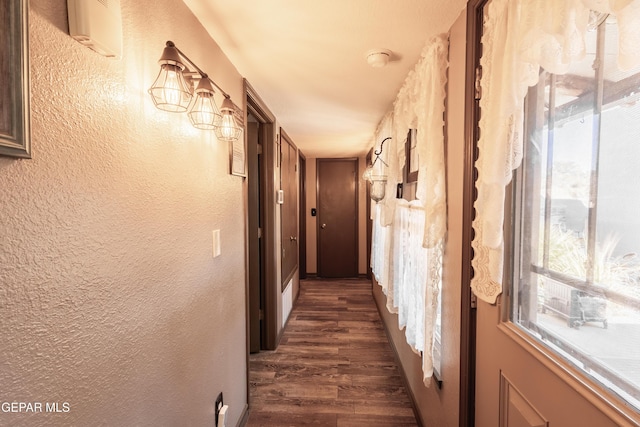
(216, 243)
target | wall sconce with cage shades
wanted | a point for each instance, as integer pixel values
(173, 91)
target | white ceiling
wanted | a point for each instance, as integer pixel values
(306, 59)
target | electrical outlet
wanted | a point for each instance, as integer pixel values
(219, 405)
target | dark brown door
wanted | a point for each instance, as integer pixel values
(289, 218)
(337, 217)
(254, 238)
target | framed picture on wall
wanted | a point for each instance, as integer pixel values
(14, 79)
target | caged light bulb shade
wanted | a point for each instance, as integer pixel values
(173, 91)
(227, 129)
(204, 114)
(170, 91)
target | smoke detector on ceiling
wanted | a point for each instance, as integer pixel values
(378, 57)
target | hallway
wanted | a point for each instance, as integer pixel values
(334, 365)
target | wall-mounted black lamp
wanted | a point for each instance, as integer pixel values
(173, 91)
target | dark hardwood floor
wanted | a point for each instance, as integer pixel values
(334, 365)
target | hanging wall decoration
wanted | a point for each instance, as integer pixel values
(14, 80)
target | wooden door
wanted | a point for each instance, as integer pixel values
(289, 217)
(337, 217)
(545, 355)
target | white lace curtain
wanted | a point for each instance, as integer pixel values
(380, 250)
(410, 276)
(519, 37)
(420, 105)
(408, 237)
(415, 272)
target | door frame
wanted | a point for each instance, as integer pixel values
(318, 225)
(302, 236)
(468, 321)
(367, 201)
(255, 247)
(269, 287)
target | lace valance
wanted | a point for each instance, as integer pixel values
(420, 105)
(519, 37)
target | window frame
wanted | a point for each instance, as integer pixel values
(411, 142)
(519, 265)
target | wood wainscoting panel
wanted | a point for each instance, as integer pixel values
(515, 409)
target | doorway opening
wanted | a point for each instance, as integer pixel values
(262, 291)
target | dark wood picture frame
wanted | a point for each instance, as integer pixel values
(411, 150)
(15, 138)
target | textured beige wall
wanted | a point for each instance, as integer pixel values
(110, 299)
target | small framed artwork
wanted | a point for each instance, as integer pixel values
(238, 149)
(14, 79)
(412, 163)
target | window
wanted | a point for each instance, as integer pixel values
(411, 168)
(576, 222)
(408, 187)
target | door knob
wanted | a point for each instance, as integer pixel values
(323, 226)
(293, 238)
